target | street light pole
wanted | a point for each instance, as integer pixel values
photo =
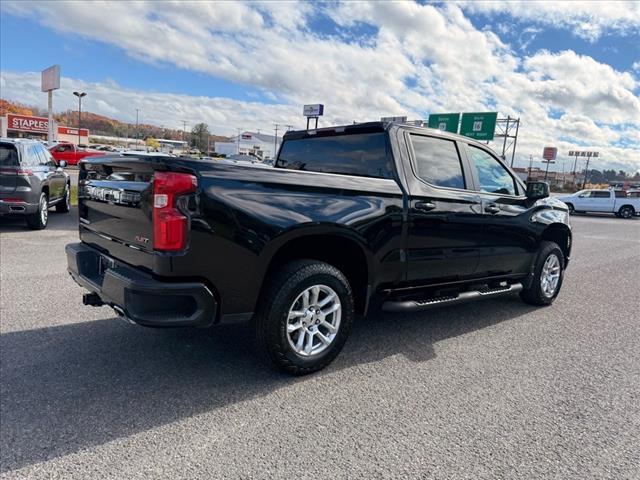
(137, 131)
(79, 95)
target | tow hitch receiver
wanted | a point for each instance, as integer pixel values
(92, 299)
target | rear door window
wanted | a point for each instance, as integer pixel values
(361, 154)
(600, 194)
(437, 161)
(492, 176)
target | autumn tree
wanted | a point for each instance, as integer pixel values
(152, 143)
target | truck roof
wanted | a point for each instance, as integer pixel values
(371, 127)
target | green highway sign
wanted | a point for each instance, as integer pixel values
(447, 122)
(480, 126)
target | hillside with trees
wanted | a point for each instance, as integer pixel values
(101, 125)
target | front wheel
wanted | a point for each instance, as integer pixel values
(571, 209)
(304, 316)
(548, 273)
(38, 220)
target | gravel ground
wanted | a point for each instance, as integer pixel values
(496, 389)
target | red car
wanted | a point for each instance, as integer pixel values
(72, 154)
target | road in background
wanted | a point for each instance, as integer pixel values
(496, 389)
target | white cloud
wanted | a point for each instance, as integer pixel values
(420, 59)
(586, 19)
(223, 115)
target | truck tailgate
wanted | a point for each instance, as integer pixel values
(115, 203)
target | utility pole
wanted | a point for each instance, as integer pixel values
(137, 110)
(546, 172)
(79, 95)
(586, 172)
(275, 142)
(530, 164)
(575, 173)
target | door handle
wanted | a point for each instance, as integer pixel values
(492, 208)
(425, 206)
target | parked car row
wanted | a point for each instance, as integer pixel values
(72, 154)
(31, 182)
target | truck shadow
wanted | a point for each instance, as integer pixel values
(71, 387)
(57, 222)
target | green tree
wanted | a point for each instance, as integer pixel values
(200, 137)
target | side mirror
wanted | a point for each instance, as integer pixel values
(537, 190)
(62, 164)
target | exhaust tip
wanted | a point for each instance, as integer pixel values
(121, 313)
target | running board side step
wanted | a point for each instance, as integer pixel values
(419, 305)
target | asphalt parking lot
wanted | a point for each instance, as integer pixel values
(496, 389)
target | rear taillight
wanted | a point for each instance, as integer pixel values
(24, 172)
(13, 200)
(169, 223)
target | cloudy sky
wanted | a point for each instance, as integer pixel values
(569, 70)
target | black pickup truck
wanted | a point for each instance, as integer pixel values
(373, 215)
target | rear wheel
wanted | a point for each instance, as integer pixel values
(548, 273)
(65, 204)
(304, 317)
(38, 220)
(626, 212)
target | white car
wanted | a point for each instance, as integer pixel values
(609, 201)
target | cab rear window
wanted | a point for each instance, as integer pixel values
(362, 154)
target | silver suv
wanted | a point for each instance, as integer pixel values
(31, 182)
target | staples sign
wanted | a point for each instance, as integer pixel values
(25, 123)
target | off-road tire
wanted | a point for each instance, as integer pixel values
(626, 212)
(533, 294)
(269, 323)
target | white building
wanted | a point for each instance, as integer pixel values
(251, 143)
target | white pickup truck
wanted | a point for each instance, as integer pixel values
(610, 201)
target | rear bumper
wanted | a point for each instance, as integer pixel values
(17, 208)
(138, 296)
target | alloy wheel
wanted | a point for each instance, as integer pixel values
(313, 320)
(44, 210)
(550, 275)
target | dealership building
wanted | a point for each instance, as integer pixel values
(26, 126)
(250, 143)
